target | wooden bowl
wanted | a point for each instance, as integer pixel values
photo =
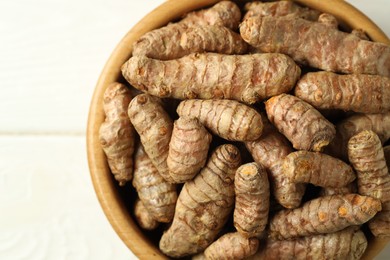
(115, 201)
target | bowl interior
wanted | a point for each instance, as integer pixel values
(117, 201)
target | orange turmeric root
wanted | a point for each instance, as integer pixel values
(318, 169)
(157, 195)
(369, 94)
(323, 215)
(116, 134)
(164, 43)
(154, 127)
(188, 149)
(367, 157)
(311, 43)
(349, 243)
(252, 199)
(301, 123)
(229, 119)
(203, 206)
(246, 78)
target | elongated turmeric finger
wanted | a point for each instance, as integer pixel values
(318, 169)
(116, 134)
(356, 92)
(203, 206)
(279, 8)
(317, 45)
(164, 43)
(227, 118)
(302, 124)
(246, 78)
(157, 195)
(379, 123)
(323, 215)
(232, 246)
(349, 243)
(367, 157)
(188, 149)
(270, 150)
(154, 127)
(251, 187)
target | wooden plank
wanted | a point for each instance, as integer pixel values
(48, 207)
(52, 53)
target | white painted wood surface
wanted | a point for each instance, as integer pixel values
(51, 54)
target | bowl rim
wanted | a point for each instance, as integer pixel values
(104, 186)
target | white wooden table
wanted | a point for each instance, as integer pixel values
(51, 54)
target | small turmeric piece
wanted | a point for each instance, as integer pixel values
(323, 215)
(204, 205)
(270, 150)
(232, 246)
(318, 169)
(246, 78)
(157, 195)
(164, 43)
(328, 20)
(317, 45)
(229, 119)
(116, 134)
(369, 94)
(349, 243)
(154, 127)
(143, 217)
(251, 187)
(188, 149)
(302, 124)
(279, 8)
(367, 157)
(379, 123)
